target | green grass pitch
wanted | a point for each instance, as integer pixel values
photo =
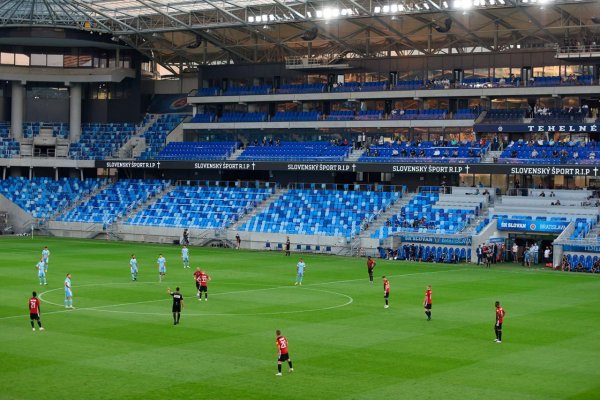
(120, 342)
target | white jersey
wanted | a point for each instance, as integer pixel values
(185, 253)
(133, 264)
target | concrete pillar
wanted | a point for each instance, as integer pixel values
(30, 173)
(3, 173)
(16, 112)
(56, 174)
(75, 111)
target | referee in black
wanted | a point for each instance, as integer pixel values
(177, 304)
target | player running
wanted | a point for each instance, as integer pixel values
(500, 313)
(177, 304)
(427, 302)
(282, 352)
(370, 267)
(133, 267)
(300, 272)
(185, 256)
(386, 291)
(162, 267)
(34, 311)
(46, 257)
(41, 267)
(203, 278)
(68, 293)
(196, 275)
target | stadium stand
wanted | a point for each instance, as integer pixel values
(200, 207)
(114, 201)
(545, 152)
(156, 134)
(203, 118)
(43, 197)
(296, 116)
(59, 129)
(9, 147)
(302, 88)
(252, 90)
(99, 141)
(244, 117)
(470, 152)
(320, 212)
(495, 116)
(433, 213)
(197, 151)
(297, 151)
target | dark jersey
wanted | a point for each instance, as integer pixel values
(177, 299)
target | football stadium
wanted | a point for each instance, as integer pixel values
(325, 172)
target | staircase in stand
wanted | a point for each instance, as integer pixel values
(137, 143)
(490, 156)
(258, 209)
(383, 217)
(355, 155)
(79, 201)
(234, 156)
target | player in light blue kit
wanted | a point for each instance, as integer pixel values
(134, 268)
(46, 257)
(41, 267)
(68, 292)
(185, 256)
(300, 272)
(162, 267)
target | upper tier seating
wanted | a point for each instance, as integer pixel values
(320, 212)
(505, 115)
(296, 116)
(543, 152)
(210, 91)
(476, 83)
(341, 115)
(59, 129)
(42, 197)
(374, 86)
(302, 88)
(346, 87)
(425, 213)
(200, 207)
(197, 151)
(409, 85)
(99, 141)
(466, 113)
(570, 115)
(243, 117)
(297, 151)
(369, 115)
(114, 201)
(252, 90)
(156, 134)
(199, 118)
(437, 152)
(419, 114)
(9, 147)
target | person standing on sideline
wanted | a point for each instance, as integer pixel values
(515, 252)
(370, 267)
(46, 257)
(287, 246)
(68, 293)
(479, 253)
(41, 267)
(162, 267)
(300, 272)
(386, 291)
(238, 241)
(427, 302)
(282, 352)
(204, 278)
(34, 311)
(535, 252)
(197, 275)
(494, 253)
(185, 256)
(500, 313)
(177, 304)
(133, 267)
(547, 253)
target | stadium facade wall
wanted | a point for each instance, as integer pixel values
(490, 230)
(17, 217)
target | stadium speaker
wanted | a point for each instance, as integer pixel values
(310, 34)
(596, 20)
(444, 29)
(195, 44)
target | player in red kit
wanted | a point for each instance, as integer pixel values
(282, 352)
(34, 311)
(197, 274)
(203, 278)
(427, 303)
(370, 267)
(386, 291)
(499, 320)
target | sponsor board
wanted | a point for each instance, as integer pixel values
(526, 225)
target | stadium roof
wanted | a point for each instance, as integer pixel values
(257, 31)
